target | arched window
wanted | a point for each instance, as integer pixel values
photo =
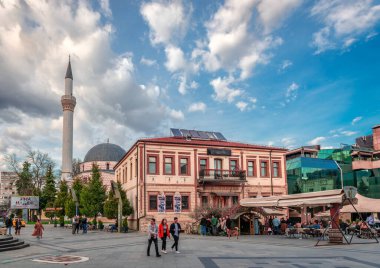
(108, 166)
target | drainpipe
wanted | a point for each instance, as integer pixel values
(137, 192)
(144, 171)
(270, 171)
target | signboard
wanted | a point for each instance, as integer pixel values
(161, 203)
(350, 191)
(20, 202)
(222, 152)
(177, 203)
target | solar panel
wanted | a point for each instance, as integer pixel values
(185, 133)
(220, 136)
(194, 134)
(203, 135)
(211, 136)
(176, 132)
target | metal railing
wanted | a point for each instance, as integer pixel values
(222, 175)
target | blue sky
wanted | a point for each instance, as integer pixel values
(285, 73)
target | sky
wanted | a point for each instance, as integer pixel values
(283, 73)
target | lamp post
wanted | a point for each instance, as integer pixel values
(341, 173)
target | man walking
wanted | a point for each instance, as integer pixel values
(276, 225)
(84, 224)
(153, 233)
(175, 229)
(8, 224)
(203, 224)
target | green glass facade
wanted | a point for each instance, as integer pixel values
(306, 175)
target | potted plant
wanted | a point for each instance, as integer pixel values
(101, 225)
(125, 225)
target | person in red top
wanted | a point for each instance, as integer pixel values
(163, 233)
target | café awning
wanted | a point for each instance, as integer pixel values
(296, 200)
(364, 205)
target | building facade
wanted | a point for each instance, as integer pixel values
(106, 156)
(173, 176)
(7, 188)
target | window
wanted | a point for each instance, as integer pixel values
(169, 202)
(218, 166)
(184, 166)
(235, 200)
(108, 166)
(168, 166)
(136, 168)
(152, 202)
(185, 202)
(202, 164)
(276, 169)
(264, 169)
(233, 164)
(251, 168)
(123, 176)
(130, 170)
(152, 165)
(205, 201)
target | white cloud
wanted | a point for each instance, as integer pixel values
(253, 100)
(231, 43)
(286, 64)
(194, 85)
(317, 141)
(273, 12)
(356, 119)
(242, 106)
(349, 133)
(177, 114)
(223, 91)
(292, 92)
(288, 142)
(105, 7)
(344, 22)
(175, 59)
(197, 107)
(167, 20)
(147, 62)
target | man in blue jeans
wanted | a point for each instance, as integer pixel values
(203, 225)
(175, 229)
(8, 224)
(276, 226)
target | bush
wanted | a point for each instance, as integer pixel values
(101, 225)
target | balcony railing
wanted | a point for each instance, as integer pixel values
(220, 175)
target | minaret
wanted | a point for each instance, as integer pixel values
(68, 104)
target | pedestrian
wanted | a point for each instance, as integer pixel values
(214, 223)
(73, 225)
(8, 224)
(84, 224)
(163, 233)
(203, 224)
(77, 223)
(175, 229)
(38, 229)
(152, 237)
(228, 226)
(276, 226)
(18, 226)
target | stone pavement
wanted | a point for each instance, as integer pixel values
(129, 250)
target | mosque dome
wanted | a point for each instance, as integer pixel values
(105, 152)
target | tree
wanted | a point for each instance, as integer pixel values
(111, 205)
(24, 183)
(70, 207)
(76, 166)
(62, 196)
(40, 164)
(93, 195)
(48, 195)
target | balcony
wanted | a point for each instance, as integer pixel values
(222, 176)
(365, 164)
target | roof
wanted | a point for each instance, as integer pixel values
(69, 73)
(104, 152)
(219, 143)
(364, 205)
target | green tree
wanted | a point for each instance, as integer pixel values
(49, 191)
(24, 184)
(111, 205)
(62, 196)
(70, 208)
(93, 195)
(78, 186)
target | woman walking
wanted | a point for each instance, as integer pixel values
(163, 233)
(38, 229)
(18, 226)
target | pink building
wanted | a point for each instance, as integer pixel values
(172, 176)
(106, 156)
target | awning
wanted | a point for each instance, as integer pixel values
(296, 200)
(273, 212)
(364, 205)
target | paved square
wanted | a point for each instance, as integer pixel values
(129, 250)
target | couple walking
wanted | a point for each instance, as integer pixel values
(163, 231)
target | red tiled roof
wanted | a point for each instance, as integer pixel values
(183, 141)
